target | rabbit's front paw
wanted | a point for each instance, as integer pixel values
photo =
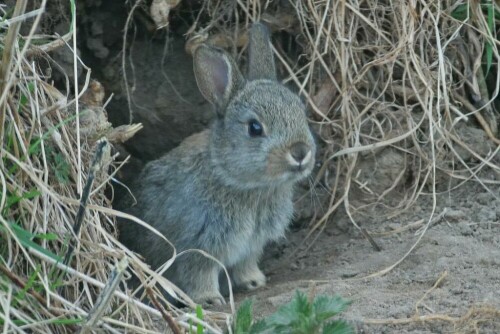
(209, 298)
(249, 279)
(254, 281)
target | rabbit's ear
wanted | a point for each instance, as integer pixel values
(217, 75)
(260, 54)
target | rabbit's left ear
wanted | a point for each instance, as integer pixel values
(260, 54)
(217, 76)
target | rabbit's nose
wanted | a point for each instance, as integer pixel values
(301, 153)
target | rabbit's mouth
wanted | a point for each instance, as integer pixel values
(299, 164)
(291, 165)
(299, 171)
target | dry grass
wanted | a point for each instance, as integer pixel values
(387, 79)
(62, 269)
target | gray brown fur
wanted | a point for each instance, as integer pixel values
(222, 190)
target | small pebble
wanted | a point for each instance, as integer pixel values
(484, 198)
(455, 215)
(349, 274)
(443, 263)
(465, 229)
(487, 214)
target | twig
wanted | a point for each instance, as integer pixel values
(399, 229)
(20, 18)
(434, 221)
(51, 46)
(470, 107)
(167, 317)
(124, 57)
(367, 235)
(436, 284)
(107, 292)
(95, 166)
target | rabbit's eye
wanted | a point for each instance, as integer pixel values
(255, 129)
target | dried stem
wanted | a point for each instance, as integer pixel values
(7, 56)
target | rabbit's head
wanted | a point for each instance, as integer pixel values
(260, 137)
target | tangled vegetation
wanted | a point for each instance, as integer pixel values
(408, 86)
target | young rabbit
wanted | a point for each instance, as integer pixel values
(226, 190)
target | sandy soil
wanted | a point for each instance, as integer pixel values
(461, 249)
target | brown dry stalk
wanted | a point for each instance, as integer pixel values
(167, 317)
(401, 229)
(436, 284)
(8, 48)
(484, 124)
(49, 47)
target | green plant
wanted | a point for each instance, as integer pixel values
(463, 12)
(300, 316)
(58, 164)
(199, 315)
(27, 238)
(23, 99)
(199, 327)
(13, 198)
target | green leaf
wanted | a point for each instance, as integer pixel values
(337, 327)
(199, 315)
(299, 316)
(325, 307)
(259, 327)
(11, 200)
(23, 100)
(243, 319)
(299, 307)
(14, 198)
(25, 238)
(488, 46)
(55, 281)
(61, 168)
(34, 146)
(29, 284)
(15, 322)
(67, 321)
(31, 194)
(46, 236)
(73, 14)
(461, 12)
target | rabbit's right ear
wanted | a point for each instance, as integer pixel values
(260, 54)
(217, 75)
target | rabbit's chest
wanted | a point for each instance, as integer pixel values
(264, 216)
(257, 225)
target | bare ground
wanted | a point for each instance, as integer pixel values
(461, 249)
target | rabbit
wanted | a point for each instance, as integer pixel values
(228, 189)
